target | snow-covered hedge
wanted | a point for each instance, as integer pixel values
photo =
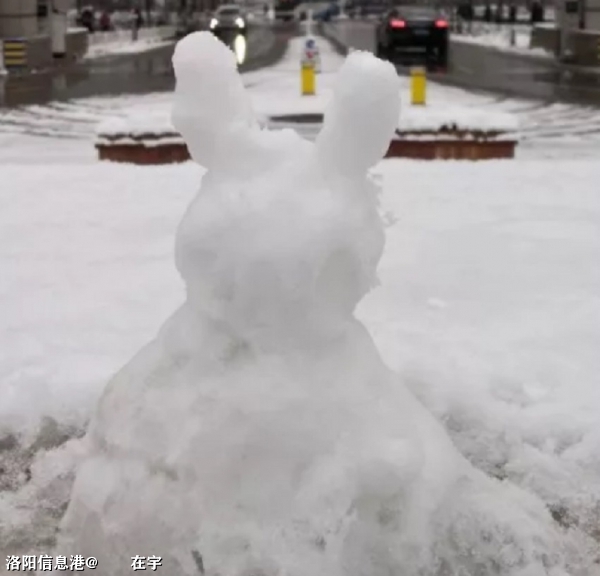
(158, 125)
(425, 119)
(136, 126)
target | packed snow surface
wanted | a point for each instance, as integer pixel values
(121, 41)
(260, 430)
(487, 308)
(501, 37)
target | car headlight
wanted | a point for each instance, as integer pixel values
(239, 22)
(213, 22)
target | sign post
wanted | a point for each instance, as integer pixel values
(58, 27)
(418, 86)
(308, 66)
(310, 42)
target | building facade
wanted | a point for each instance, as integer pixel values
(591, 14)
(19, 18)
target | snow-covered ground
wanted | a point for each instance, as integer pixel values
(489, 306)
(125, 47)
(121, 41)
(512, 39)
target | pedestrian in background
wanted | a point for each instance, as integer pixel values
(105, 22)
(137, 23)
(537, 12)
(487, 15)
(499, 16)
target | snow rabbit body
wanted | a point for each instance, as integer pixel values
(260, 434)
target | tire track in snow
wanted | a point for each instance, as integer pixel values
(77, 120)
(539, 121)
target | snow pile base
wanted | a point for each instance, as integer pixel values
(260, 432)
(36, 476)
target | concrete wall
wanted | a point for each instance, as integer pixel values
(585, 45)
(39, 49)
(579, 29)
(592, 14)
(39, 53)
(18, 18)
(77, 43)
(547, 38)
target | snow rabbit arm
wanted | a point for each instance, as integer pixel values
(362, 117)
(210, 98)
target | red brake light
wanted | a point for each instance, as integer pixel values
(398, 24)
(441, 24)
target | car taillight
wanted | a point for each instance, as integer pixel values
(441, 24)
(398, 24)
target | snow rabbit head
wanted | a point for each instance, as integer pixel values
(285, 234)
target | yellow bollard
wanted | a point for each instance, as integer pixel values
(418, 86)
(308, 78)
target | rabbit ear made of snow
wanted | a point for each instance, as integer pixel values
(210, 97)
(362, 116)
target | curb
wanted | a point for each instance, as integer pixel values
(337, 44)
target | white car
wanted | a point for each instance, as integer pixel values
(228, 18)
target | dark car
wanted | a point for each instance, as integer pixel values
(228, 18)
(410, 35)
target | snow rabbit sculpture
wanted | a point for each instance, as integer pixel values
(260, 434)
